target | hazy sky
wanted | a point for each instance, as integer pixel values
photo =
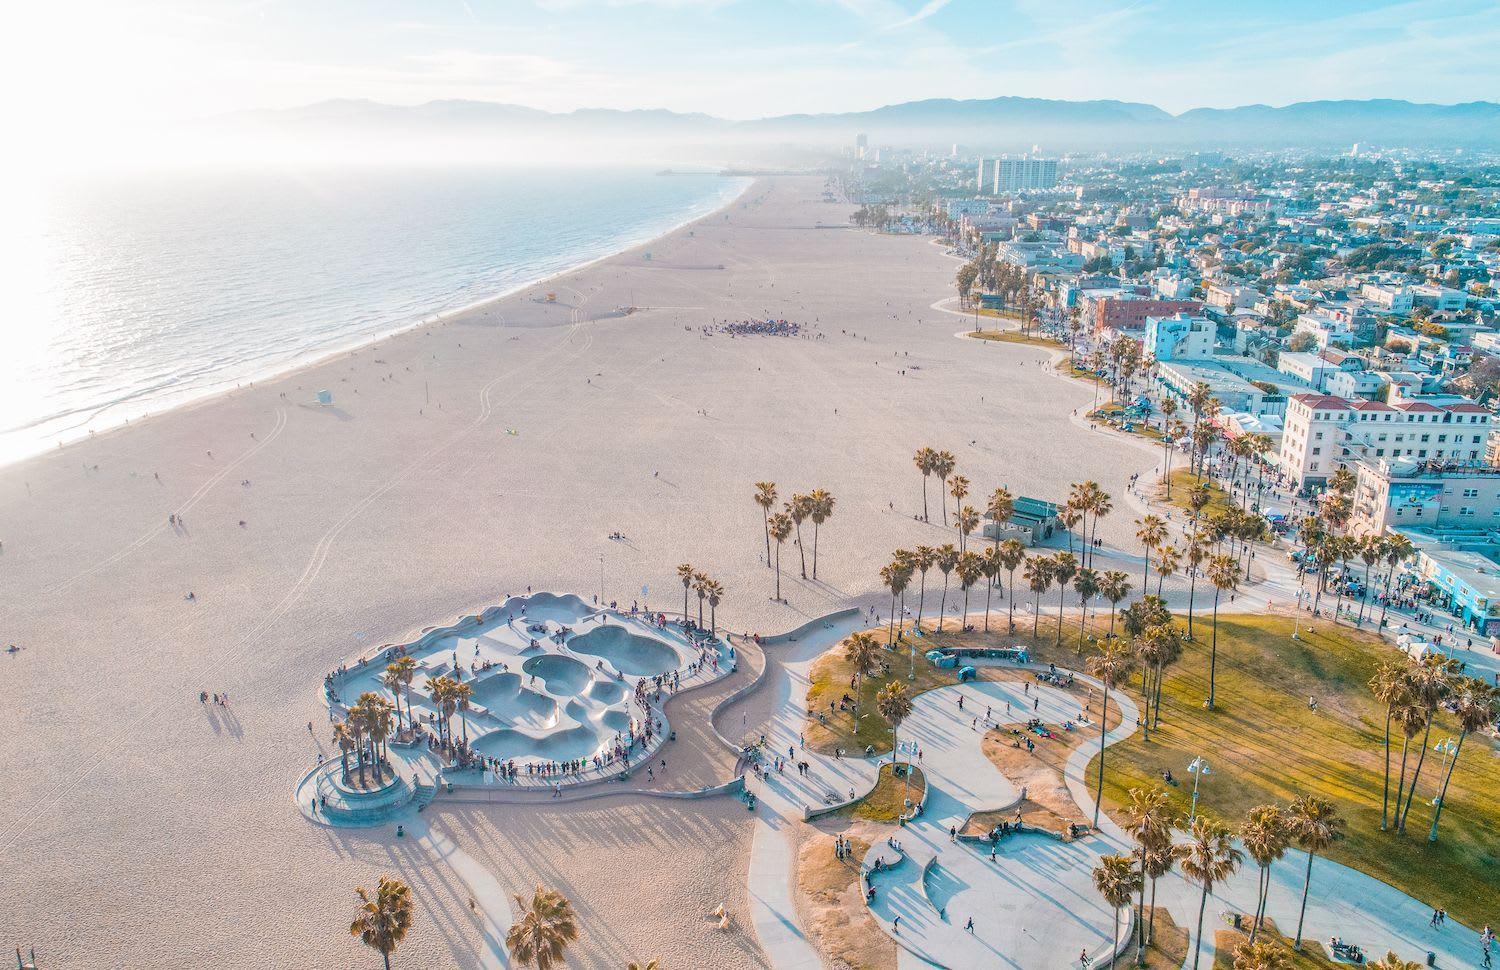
(124, 60)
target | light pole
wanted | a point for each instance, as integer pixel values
(1199, 768)
(1448, 748)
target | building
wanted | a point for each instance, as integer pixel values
(1032, 520)
(1400, 493)
(984, 178)
(1025, 174)
(1461, 568)
(1325, 433)
(1389, 299)
(1227, 202)
(1038, 257)
(1179, 337)
(1232, 296)
(1440, 299)
(1123, 312)
(1239, 383)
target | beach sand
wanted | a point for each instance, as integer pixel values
(140, 827)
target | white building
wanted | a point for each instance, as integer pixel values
(1324, 433)
(1179, 337)
(1232, 296)
(1391, 299)
(1025, 174)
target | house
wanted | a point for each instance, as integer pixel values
(1032, 520)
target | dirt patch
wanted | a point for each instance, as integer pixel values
(833, 906)
(1312, 956)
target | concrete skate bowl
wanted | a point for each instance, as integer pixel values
(503, 696)
(540, 607)
(581, 741)
(606, 692)
(631, 654)
(560, 676)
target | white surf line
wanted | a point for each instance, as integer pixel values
(191, 501)
(23, 823)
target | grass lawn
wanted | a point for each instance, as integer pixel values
(1266, 745)
(1168, 949)
(1114, 411)
(1182, 484)
(887, 800)
(1311, 957)
(831, 676)
(1014, 337)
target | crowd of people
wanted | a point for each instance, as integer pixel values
(757, 328)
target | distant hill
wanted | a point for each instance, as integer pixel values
(1000, 123)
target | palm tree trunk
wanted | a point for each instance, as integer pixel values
(801, 550)
(1146, 703)
(1192, 591)
(1385, 795)
(778, 575)
(765, 515)
(1140, 922)
(890, 639)
(387, 957)
(1401, 782)
(1213, 651)
(1116, 950)
(1385, 603)
(815, 550)
(989, 588)
(1103, 717)
(921, 600)
(1198, 940)
(1083, 616)
(924, 498)
(1151, 920)
(1062, 592)
(1011, 598)
(1260, 896)
(1437, 809)
(1411, 791)
(1306, 885)
(943, 604)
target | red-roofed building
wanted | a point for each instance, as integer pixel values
(1324, 433)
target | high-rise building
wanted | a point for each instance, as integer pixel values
(1021, 174)
(861, 145)
(984, 180)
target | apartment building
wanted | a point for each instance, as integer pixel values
(1324, 433)
(1401, 493)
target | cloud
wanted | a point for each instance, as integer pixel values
(928, 9)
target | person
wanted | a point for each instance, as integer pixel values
(970, 925)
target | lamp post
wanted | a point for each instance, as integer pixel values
(1199, 768)
(1448, 748)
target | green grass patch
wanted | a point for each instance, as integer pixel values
(1014, 337)
(830, 681)
(887, 800)
(1266, 745)
(1182, 482)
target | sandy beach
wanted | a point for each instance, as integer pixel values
(456, 464)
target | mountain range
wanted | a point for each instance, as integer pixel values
(1004, 123)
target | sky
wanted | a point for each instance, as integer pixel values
(100, 63)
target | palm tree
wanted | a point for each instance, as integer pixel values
(781, 527)
(1429, 686)
(1064, 568)
(1112, 665)
(391, 681)
(1390, 687)
(1392, 962)
(356, 726)
(1038, 576)
(1266, 837)
(966, 520)
(1410, 717)
(894, 704)
(1000, 508)
(1195, 554)
(1117, 881)
(344, 738)
(942, 466)
(1069, 515)
(1474, 704)
(970, 570)
(652, 964)
(1159, 860)
(923, 559)
(700, 586)
(822, 511)
(1398, 549)
(800, 509)
(685, 573)
(715, 597)
(959, 489)
(375, 714)
(863, 653)
(1314, 824)
(1114, 586)
(1086, 585)
(765, 497)
(1148, 821)
(546, 927)
(945, 560)
(442, 692)
(381, 921)
(1261, 956)
(1150, 531)
(894, 577)
(1224, 573)
(1012, 554)
(1167, 561)
(406, 670)
(991, 563)
(1371, 549)
(926, 462)
(1208, 858)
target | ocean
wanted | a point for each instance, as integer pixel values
(137, 293)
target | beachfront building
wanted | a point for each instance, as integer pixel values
(1461, 568)
(1179, 337)
(1398, 493)
(1032, 520)
(1325, 433)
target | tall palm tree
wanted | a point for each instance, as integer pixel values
(1314, 825)
(1150, 531)
(1069, 515)
(799, 510)
(966, 520)
(1148, 821)
(1410, 719)
(1158, 861)
(374, 713)
(959, 489)
(863, 654)
(991, 564)
(822, 510)
(1207, 858)
(926, 461)
(355, 723)
(406, 670)
(700, 586)
(892, 579)
(442, 691)
(1038, 576)
(1398, 549)
(391, 681)
(1195, 553)
(1167, 561)
(1266, 836)
(765, 497)
(1261, 956)
(1001, 506)
(382, 919)
(546, 927)
(344, 738)
(685, 573)
(1392, 962)
(1064, 568)
(781, 527)
(1224, 573)
(923, 559)
(942, 466)
(1390, 687)
(894, 704)
(970, 570)
(1012, 554)
(1371, 549)
(945, 560)
(1116, 880)
(1475, 706)
(1430, 681)
(715, 597)
(1112, 665)
(1086, 584)
(1114, 586)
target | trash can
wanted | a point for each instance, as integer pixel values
(1431, 959)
